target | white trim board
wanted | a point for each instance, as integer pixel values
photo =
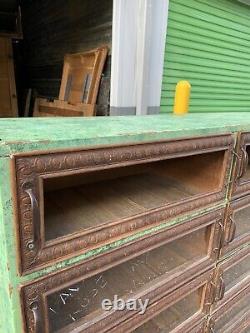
(138, 45)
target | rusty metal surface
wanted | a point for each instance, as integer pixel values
(39, 290)
(30, 168)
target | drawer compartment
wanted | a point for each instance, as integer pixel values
(233, 274)
(233, 316)
(149, 269)
(182, 311)
(237, 228)
(69, 202)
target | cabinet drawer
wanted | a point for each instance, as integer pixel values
(148, 269)
(241, 184)
(237, 226)
(233, 316)
(232, 275)
(182, 311)
(70, 202)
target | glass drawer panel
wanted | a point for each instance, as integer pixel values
(242, 219)
(232, 315)
(237, 273)
(246, 175)
(81, 202)
(82, 300)
(175, 315)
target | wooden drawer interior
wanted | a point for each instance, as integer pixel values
(82, 301)
(175, 315)
(81, 202)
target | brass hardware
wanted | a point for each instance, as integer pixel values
(232, 230)
(33, 244)
(34, 307)
(210, 326)
(221, 238)
(212, 293)
(222, 289)
(221, 235)
(243, 163)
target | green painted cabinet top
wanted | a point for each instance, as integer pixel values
(30, 134)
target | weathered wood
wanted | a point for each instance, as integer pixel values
(79, 86)
(55, 28)
(27, 103)
(81, 76)
(8, 97)
(44, 108)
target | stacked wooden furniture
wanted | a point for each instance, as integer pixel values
(151, 207)
(79, 86)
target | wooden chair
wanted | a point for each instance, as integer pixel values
(79, 86)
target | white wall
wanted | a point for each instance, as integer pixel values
(138, 43)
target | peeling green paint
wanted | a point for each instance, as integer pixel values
(29, 134)
(9, 293)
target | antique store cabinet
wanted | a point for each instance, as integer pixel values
(151, 208)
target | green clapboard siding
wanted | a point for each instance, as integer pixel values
(208, 44)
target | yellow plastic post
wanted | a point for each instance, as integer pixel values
(182, 96)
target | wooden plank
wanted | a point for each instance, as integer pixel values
(44, 108)
(78, 67)
(27, 103)
(8, 98)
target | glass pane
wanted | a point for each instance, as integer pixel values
(175, 315)
(83, 299)
(246, 176)
(85, 201)
(242, 219)
(237, 273)
(230, 316)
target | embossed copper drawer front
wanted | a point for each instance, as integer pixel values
(233, 316)
(69, 202)
(150, 269)
(233, 275)
(237, 226)
(241, 181)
